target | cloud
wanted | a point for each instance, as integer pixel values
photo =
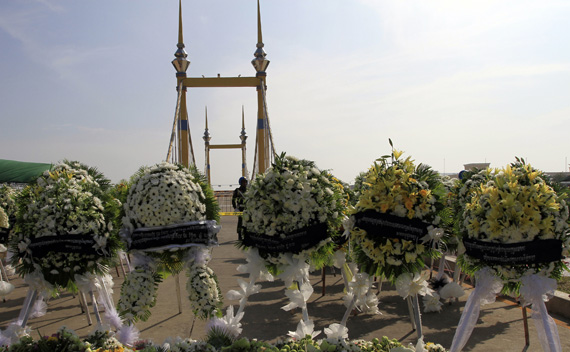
(52, 6)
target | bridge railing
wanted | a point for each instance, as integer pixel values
(224, 199)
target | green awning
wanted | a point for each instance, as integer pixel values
(21, 172)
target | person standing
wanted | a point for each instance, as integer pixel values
(238, 202)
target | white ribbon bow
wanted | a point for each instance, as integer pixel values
(409, 284)
(337, 332)
(304, 328)
(255, 266)
(535, 290)
(298, 298)
(485, 292)
(229, 323)
(246, 290)
(296, 269)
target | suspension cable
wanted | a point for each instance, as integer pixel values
(266, 114)
(176, 116)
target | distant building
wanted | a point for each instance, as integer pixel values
(560, 177)
(478, 166)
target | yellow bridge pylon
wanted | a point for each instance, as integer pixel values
(242, 146)
(180, 149)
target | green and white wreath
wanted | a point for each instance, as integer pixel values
(65, 236)
(4, 223)
(290, 196)
(292, 213)
(65, 226)
(170, 222)
(8, 206)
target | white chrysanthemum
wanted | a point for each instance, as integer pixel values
(67, 200)
(203, 291)
(164, 195)
(287, 198)
(3, 219)
(138, 294)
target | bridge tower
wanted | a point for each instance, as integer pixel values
(181, 138)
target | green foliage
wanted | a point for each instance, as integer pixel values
(215, 341)
(219, 338)
(212, 206)
(64, 340)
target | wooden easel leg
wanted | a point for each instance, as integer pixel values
(323, 279)
(121, 256)
(525, 324)
(177, 282)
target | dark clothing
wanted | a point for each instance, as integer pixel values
(238, 202)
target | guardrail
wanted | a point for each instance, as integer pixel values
(224, 199)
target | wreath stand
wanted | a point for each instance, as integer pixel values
(295, 273)
(88, 283)
(142, 241)
(533, 288)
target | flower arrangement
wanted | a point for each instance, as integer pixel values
(164, 194)
(292, 214)
(8, 199)
(408, 199)
(167, 194)
(164, 203)
(138, 294)
(515, 206)
(292, 195)
(104, 341)
(203, 291)
(65, 225)
(450, 239)
(3, 219)
(8, 207)
(66, 340)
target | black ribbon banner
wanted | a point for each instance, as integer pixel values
(523, 253)
(292, 242)
(83, 244)
(196, 232)
(379, 225)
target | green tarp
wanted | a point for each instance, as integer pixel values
(21, 172)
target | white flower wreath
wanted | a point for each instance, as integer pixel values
(292, 213)
(3, 219)
(291, 195)
(68, 207)
(165, 198)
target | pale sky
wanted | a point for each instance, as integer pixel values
(450, 82)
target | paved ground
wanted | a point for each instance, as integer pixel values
(500, 325)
